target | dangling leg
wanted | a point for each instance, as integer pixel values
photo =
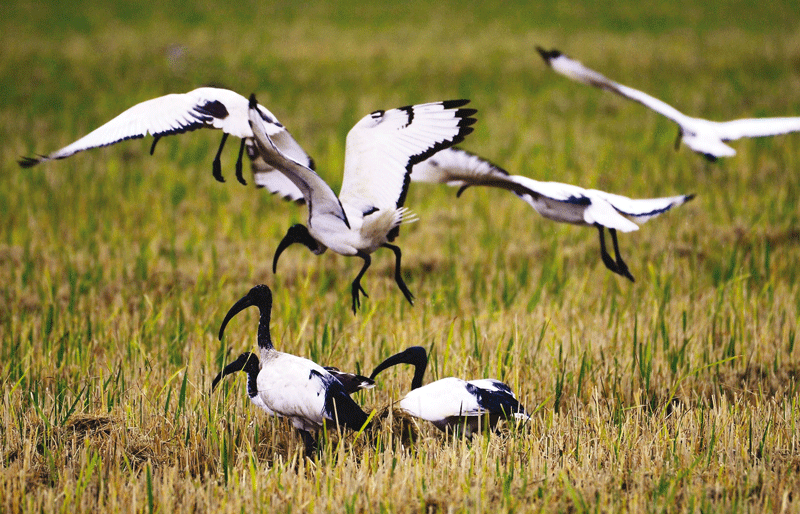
(622, 268)
(153, 146)
(607, 260)
(239, 176)
(357, 282)
(397, 275)
(309, 442)
(216, 165)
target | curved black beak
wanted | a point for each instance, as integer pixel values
(247, 362)
(261, 297)
(415, 355)
(296, 234)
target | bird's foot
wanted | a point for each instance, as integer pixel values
(217, 170)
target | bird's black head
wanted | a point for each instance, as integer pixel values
(415, 355)
(296, 234)
(247, 362)
(261, 297)
(548, 55)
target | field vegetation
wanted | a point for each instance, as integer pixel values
(674, 393)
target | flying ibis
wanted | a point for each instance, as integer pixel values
(564, 203)
(205, 107)
(703, 136)
(381, 150)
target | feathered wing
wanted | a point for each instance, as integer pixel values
(205, 107)
(383, 147)
(641, 210)
(458, 168)
(755, 127)
(577, 71)
(267, 177)
(316, 192)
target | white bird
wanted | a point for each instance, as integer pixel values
(250, 365)
(294, 387)
(564, 203)
(381, 150)
(206, 107)
(703, 136)
(452, 402)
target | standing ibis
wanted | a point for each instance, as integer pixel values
(205, 107)
(381, 150)
(452, 402)
(290, 386)
(564, 203)
(249, 364)
(703, 136)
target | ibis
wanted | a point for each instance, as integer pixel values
(290, 386)
(381, 150)
(703, 136)
(205, 107)
(453, 403)
(564, 203)
(249, 364)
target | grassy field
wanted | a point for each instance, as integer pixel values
(674, 393)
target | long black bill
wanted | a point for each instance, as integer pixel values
(261, 297)
(296, 234)
(415, 355)
(246, 362)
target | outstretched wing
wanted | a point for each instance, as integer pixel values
(317, 194)
(205, 107)
(383, 147)
(576, 71)
(755, 127)
(641, 210)
(162, 116)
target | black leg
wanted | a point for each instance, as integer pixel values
(622, 268)
(309, 442)
(216, 166)
(357, 282)
(607, 260)
(153, 146)
(678, 139)
(397, 275)
(239, 176)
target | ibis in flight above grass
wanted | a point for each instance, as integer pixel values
(290, 386)
(555, 201)
(381, 150)
(452, 402)
(206, 107)
(703, 136)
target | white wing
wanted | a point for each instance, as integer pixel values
(318, 195)
(383, 146)
(641, 210)
(578, 72)
(755, 127)
(204, 107)
(458, 168)
(271, 179)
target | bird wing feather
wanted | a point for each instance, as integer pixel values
(383, 147)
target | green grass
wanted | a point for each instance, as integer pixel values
(677, 392)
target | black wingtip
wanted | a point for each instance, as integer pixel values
(253, 102)
(686, 198)
(548, 55)
(452, 104)
(28, 162)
